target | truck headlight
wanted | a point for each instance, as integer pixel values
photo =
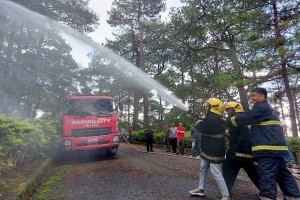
(116, 139)
(68, 144)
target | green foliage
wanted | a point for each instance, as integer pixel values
(3, 187)
(176, 115)
(294, 144)
(75, 14)
(139, 136)
(187, 139)
(158, 137)
(53, 187)
(11, 135)
(124, 124)
(51, 129)
(22, 141)
(30, 81)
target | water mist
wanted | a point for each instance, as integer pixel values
(28, 17)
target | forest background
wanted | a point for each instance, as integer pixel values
(206, 49)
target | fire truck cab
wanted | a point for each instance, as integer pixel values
(91, 122)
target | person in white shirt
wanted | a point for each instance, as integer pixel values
(173, 138)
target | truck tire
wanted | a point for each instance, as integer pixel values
(112, 151)
(61, 155)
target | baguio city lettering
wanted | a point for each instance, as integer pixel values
(93, 121)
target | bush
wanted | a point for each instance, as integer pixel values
(139, 136)
(23, 141)
(294, 144)
(158, 138)
(188, 139)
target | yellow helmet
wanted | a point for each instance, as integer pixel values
(235, 105)
(216, 106)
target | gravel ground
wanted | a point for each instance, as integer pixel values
(134, 174)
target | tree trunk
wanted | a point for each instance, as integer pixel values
(296, 107)
(136, 97)
(193, 88)
(284, 70)
(143, 68)
(240, 84)
(135, 112)
(182, 91)
(146, 110)
(160, 116)
(128, 113)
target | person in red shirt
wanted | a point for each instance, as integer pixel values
(180, 139)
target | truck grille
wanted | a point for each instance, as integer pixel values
(87, 144)
(91, 132)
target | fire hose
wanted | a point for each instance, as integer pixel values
(158, 153)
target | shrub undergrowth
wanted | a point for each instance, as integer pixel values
(22, 140)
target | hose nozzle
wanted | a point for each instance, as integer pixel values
(190, 112)
(194, 115)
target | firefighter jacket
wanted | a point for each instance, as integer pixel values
(267, 138)
(239, 143)
(212, 138)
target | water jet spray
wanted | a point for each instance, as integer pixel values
(28, 17)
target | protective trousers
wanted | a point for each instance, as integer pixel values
(231, 168)
(272, 170)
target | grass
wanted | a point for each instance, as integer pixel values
(53, 188)
(11, 184)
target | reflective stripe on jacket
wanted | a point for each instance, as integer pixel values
(239, 143)
(212, 138)
(266, 132)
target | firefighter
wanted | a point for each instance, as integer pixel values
(268, 147)
(238, 154)
(212, 147)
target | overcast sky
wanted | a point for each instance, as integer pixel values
(104, 30)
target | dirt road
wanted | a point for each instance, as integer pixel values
(133, 175)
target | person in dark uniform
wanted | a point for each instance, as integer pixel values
(238, 155)
(269, 147)
(167, 137)
(149, 138)
(212, 147)
(130, 135)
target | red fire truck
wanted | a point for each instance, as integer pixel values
(89, 123)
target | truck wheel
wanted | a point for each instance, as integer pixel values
(62, 155)
(112, 151)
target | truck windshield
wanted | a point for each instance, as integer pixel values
(89, 107)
